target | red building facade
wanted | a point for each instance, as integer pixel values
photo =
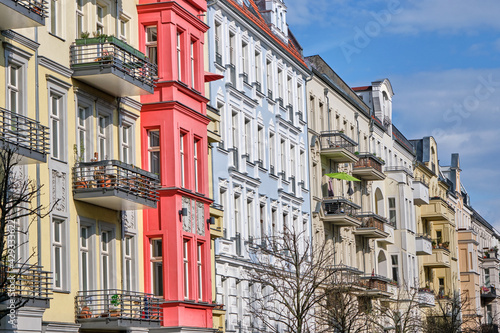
(174, 145)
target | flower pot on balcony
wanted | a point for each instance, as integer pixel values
(80, 184)
(85, 313)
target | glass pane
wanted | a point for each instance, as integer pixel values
(81, 117)
(83, 237)
(55, 105)
(127, 246)
(13, 76)
(57, 232)
(127, 274)
(104, 241)
(57, 272)
(154, 139)
(55, 138)
(155, 162)
(13, 101)
(151, 33)
(105, 273)
(157, 248)
(84, 271)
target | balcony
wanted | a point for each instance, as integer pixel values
(368, 167)
(338, 147)
(117, 309)
(30, 283)
(340, 211)
(426, 298)
(398, 173)
(115, 185)
(375, 285)
(16, 14)
(436, 210)
(27, 138)
(420, 192)
(423, 245)
(113, 66)
(488, 294)
(372, 226)
(440, 258)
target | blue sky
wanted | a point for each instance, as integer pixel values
(443, 60)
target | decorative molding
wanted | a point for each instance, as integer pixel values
(23, 40)
(59, 190)
(185, 219)
(17, 51)
(136, 105)
(128, 220)
(223, 182)
(55, 67)
(192, 216)
(58, 82)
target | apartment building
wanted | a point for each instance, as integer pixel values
(70, 71)
(260, 166)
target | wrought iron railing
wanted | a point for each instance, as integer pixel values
(367, 160)
(374, 281)
(114, 304)
(113, 52)
(26, 281)
(440, 244)
(38, 7)
(372, 220)
(118, 175)
(24, 132)
(340, 206)
(335, 139)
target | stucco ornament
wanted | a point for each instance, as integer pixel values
(200, 218)
(186, 226)
(59, 190)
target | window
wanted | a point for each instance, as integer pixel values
(260, 144)
(395, 269)
(179, 57)
(157, 267)
(123, 28)
(280, 84)
(183, 162)
(100, 19)
(303, 173)
(79, 18)
(197, 165)
(441, 287)
(272, 153)
(244, 58)
(299, 99)
(105, 260)
(102, 137)
(392, 211)
(82, 130)
(292, 161)
(59, 253)
(283, 158)
(154, 151)
(257, 67)
(248, 139)
(152, 44)
(250, 220)
(269, 73)
(126, 141)
(185, 253)
(289, 90)
(54, 15)
(262, 225)
(56, 126)
(85, 258)
(128, 262)
(200, 271)
(218, 45)
(191, 52)
(487, 277)
(232, 53)
(14, 88)
(235, 129)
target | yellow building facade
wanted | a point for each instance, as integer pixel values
(72, 101)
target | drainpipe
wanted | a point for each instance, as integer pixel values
(37, 118)
(117, 20)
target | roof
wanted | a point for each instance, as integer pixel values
(251, 11)
(362, 88)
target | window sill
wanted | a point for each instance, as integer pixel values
(60, 38)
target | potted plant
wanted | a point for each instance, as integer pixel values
(114, 309)
(446, 245)
(433, 244)
(79, 179)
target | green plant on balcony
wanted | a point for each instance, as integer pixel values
(446, 245)
(356, 153)
(114, 309)
(85, 35)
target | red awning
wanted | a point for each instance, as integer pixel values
(209, 77)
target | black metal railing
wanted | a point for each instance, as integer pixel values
(372, 220)
(24, 132)
(114, 174)
(232, 74)
(269, 94)
(488, 291)
(26, 281)
(367, 160)
(258, 86)
(245, 77)
(38, 7)
(336, 139)
(115, 304)
(218, 58)
(340, 206)
(113, 52)
(374, 281)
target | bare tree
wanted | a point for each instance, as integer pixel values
(291, 274)
(455, 314)
(18, 196)
(401, 314)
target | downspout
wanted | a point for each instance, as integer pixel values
(363, 182)
(306, 116)
(117, 20)
(37, 118)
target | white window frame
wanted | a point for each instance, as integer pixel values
(156, 261)
(100, 18)
(129, 262)
(182, 158)
(199, 266)
(152, 44)
(54, 17)
(195, 164)
(60, 243)
(14, 89)
(89, 250)
(179, 55)
(185, 257)
(153, 150)
(57, 112)
(109, 281)
(192, 60)
(124, 27)
(80, 18)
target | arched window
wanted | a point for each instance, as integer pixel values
(379, 202)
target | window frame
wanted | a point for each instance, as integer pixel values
(152, 44)
(155, 262)
(154, 150)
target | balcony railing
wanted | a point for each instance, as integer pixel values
(245, 77)
(426, 297)
(113, 308)
(27, 137)
(29, 282)
(340, 211)
(488, 293)
(279, 100)
(374, 281)
(372, 225)
(398, 169)
(440, 244)
(367, 160)
(112, 65)
(22, 13)
(115, 185)
(338, 146)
